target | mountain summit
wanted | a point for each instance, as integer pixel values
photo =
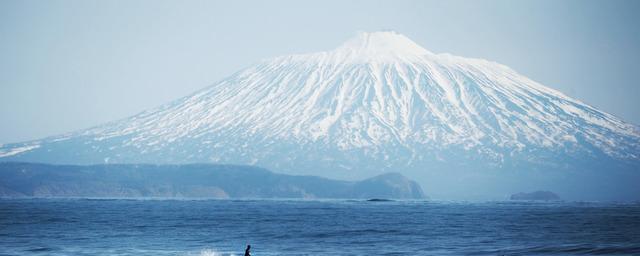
(385, 44)
(377, 103)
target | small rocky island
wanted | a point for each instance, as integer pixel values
(536, 196)
(189, 181)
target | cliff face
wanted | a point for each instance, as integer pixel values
(189, 181)
(390, 185)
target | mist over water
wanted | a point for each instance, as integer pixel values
(282, 227)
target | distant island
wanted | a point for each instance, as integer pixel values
(189, 181)
(536, 196)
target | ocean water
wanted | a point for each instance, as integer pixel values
(282, 227)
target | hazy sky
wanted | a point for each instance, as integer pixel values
(67, 65)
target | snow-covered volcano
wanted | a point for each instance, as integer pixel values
(377, 103)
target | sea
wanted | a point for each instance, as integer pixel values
(316, 227)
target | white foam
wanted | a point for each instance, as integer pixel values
(211, 252)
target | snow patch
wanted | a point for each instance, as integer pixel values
(4, 152)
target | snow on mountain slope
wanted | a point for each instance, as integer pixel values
(379, 102)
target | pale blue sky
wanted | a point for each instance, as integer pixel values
(67, 65)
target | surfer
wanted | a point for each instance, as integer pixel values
(247, 252)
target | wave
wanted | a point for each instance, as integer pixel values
(211, 252)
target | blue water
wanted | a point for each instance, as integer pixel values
(224, 227)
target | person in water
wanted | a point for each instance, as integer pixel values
(247, 252)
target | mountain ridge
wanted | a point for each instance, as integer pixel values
(189, 181)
